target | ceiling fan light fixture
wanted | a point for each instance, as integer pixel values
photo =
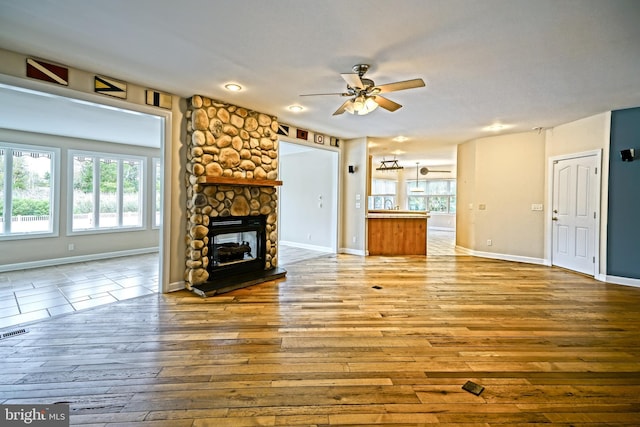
(361, 105)
(358, 104)
(370, 104)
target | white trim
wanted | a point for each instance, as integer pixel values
(350, 251)
(75, 259)
(176, 286)
(504, 257)
(96, 157)
(617, 280)
(452, 230)
(54, 199)
(326, 249)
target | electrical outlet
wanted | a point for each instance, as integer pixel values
(489, 242)
(354, 239)
(71, 246)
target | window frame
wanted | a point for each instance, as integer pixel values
(157, 185)
(387, 199)
(97, 156)
(424, 184)
(54, 198)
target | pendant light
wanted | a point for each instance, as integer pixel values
(417, 188)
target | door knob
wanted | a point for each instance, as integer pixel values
(555, 218)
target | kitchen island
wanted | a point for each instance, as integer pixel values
(395, 232)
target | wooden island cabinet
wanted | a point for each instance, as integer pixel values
(392, 232)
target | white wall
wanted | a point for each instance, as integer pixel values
(354, 186)
(308, 197)
(508, 178)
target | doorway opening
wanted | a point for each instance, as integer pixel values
(66, 120)
(308, 202)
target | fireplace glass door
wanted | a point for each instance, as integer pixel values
(233, 248)
(236, 245)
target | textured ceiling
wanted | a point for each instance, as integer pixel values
(523, 63)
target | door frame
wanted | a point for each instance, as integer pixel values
(166, 153)
(336, 161)
(549, 211)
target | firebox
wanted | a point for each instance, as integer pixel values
(237, 245)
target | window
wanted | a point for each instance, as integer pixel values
(106, 191)
(157, 191)
(28, 182)
(383, 194)
(436, 196)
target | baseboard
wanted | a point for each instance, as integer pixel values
(503, 257)
(177, 286)
(617, 280)
(75, 259)
(350, 251)
(306, 246)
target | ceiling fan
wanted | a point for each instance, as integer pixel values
(424, 171)
(365, 95)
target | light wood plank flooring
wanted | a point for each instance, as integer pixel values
(347, 340)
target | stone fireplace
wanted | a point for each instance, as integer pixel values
(231, 178)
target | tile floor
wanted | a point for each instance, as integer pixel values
(36, 294)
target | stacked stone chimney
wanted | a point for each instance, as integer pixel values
(226, 141)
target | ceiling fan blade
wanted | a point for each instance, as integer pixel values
(425, 171)
(387, 104)
(342, 107)
(321, 94)
(407, 84)
(353, 80)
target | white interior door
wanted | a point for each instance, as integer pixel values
(575, 213)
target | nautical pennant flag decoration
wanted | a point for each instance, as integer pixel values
(159, 99)
(283, 130)
(37, 69)
(302, 134)
(111, 87)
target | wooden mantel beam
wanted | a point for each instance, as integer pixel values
(244, 182)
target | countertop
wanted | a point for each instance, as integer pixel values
(388, 213)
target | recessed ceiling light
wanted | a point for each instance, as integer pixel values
(295, 108)
(233, 87)
(397, 152)
(496, 127)
(400, 138)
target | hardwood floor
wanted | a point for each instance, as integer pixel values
(347, 340)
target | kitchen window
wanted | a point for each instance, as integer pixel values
(435, 196)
